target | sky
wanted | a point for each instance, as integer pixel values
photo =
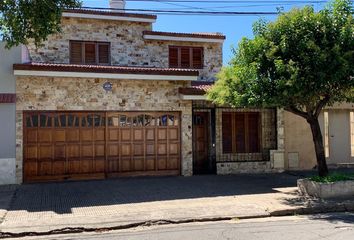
(233, 27)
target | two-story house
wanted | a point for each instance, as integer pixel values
(108, 96)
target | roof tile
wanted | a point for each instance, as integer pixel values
(104, 69)
(196, 88)
(193, 35)
(110, 13)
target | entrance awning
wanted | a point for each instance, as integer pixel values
(197, 90)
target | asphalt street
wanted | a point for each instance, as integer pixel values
(335, 226)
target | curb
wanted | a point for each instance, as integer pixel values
(324, 208)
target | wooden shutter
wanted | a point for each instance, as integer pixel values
(197, 57)
(227, 132)
(240, 132)
(253, 132)
(173, 57)
(76, 53)
(103, 53)
(185, 57)
(90, 53)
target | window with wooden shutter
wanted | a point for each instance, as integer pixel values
(103, 53)
(239, 127)
(94, 53)
(186, 57)
(197, 58)
(241, 132)
(76, 52)
(253, 132)
(173, 57)
(90, 53)
(226, 133)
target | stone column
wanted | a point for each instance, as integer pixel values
(187, 143)
(277, 156)
(19, 147)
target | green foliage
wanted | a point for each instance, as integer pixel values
(302, 61)
(21, 20)
(334, 177)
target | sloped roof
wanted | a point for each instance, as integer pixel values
(188, 35)
(197, 88)
(110, 13)
(104, 69)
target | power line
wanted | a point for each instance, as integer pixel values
(260, 3)
(183, 12)
(229, 1)
(180, 5)
(233, 6)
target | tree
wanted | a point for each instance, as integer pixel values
(22, 20)
(302, 62)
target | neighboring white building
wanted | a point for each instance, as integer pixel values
(8, 113)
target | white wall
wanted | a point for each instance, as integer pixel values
(8, 114)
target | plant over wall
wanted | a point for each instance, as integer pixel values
(23, 20)
(302, 62)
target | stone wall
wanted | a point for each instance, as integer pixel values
(277, 156)
(47, 93)
(243, 167)
(128, 48)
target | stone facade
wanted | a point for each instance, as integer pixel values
(47, 93)
(243, 167)
(128, 47)
(277, 156)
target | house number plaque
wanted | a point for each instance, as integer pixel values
(107, 86)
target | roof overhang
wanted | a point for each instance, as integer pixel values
(197, 91)
(104, 15)
(183, 37)
(109, 72)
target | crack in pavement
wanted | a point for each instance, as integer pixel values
(71, 230)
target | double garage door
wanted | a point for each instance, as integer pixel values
(91, 145)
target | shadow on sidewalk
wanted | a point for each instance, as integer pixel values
(62, 197)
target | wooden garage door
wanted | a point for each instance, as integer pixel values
(86, 145)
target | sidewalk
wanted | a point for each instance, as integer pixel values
(6, 195)
(128, 202)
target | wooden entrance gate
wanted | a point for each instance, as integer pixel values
(86, 145)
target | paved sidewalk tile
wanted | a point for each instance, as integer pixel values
(126, 200)
(6, 194)
(107, 203)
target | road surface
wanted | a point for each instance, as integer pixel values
(336, 226)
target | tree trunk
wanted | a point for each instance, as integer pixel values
(319, 148)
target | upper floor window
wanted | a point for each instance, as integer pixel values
(96, 53)
(186, 57)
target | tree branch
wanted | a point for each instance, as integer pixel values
(320, 105)
(296, 111)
